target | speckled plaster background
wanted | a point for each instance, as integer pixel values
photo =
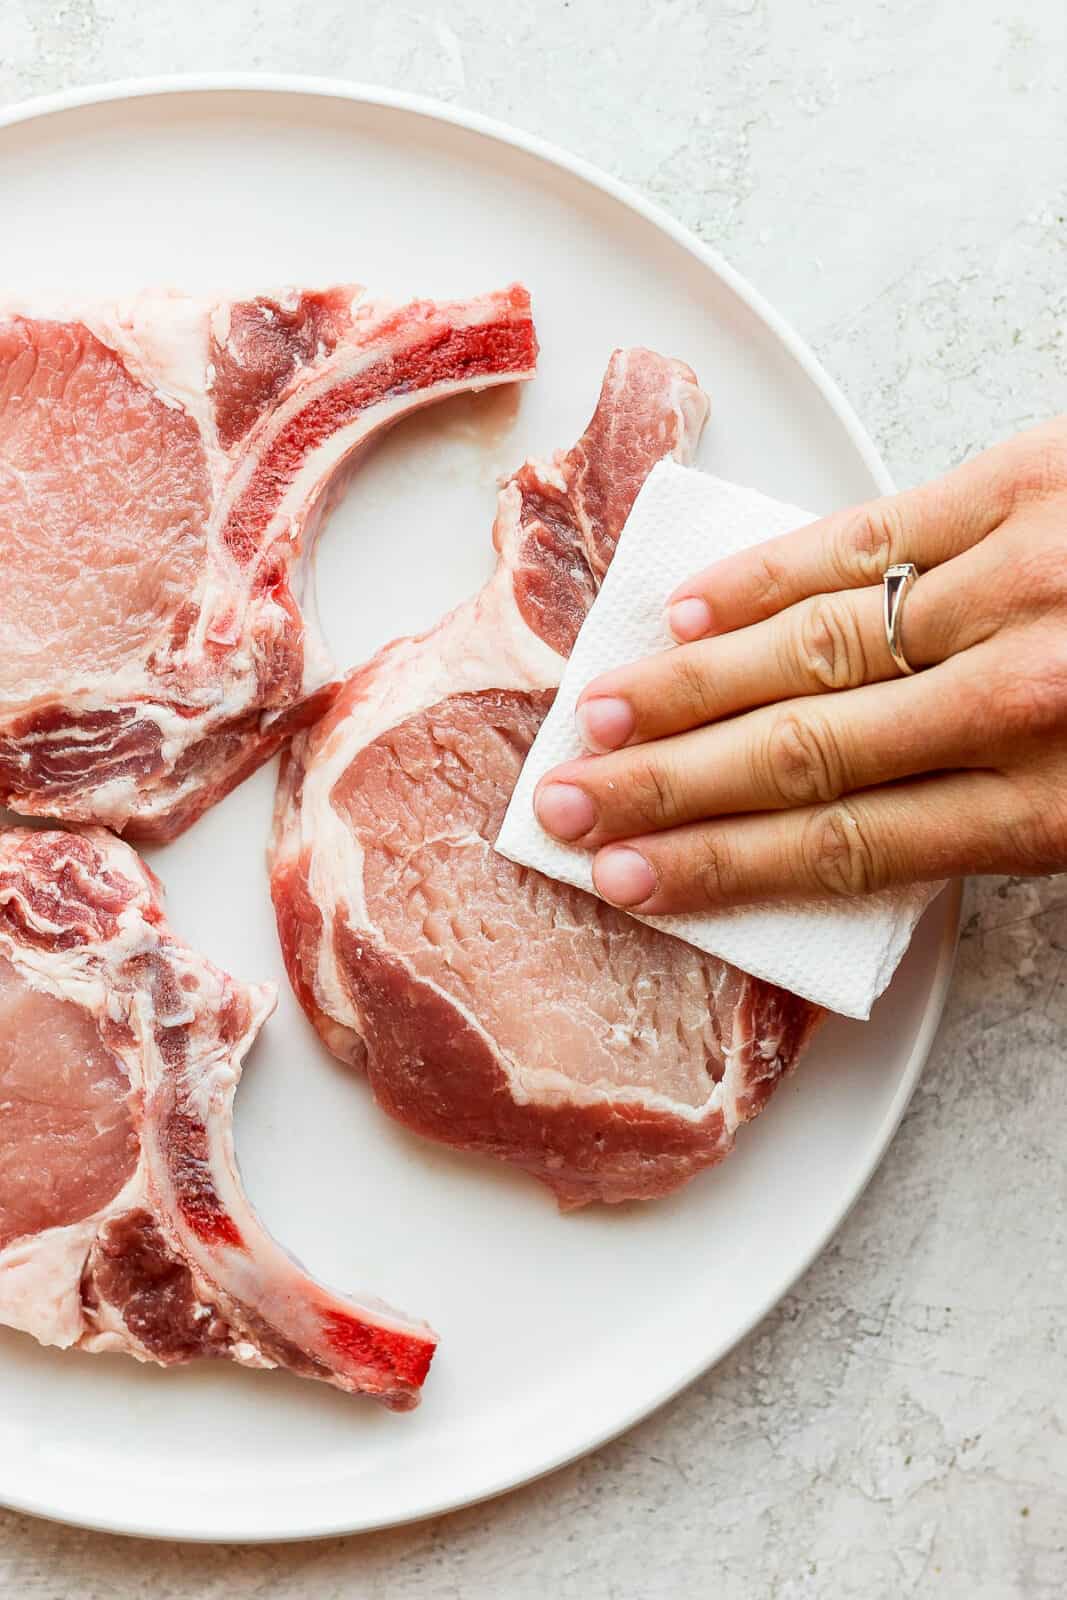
(893, 175)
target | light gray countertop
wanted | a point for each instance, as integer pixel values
(892, 174)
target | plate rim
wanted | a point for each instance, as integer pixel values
(113, 91)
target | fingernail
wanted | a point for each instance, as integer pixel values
(623, 876)
(689, 619)
(605, 723)
(565, 810)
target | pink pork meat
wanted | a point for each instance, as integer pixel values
(163, 468)
(123, 1224)
(491, 1008)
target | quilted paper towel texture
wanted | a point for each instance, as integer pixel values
(839, 954)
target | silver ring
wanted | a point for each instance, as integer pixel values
(896, 583)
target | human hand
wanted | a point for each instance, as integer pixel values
(777, 752)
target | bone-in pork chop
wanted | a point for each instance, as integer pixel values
(492, 1008)
(163, 464)
(123, 1224)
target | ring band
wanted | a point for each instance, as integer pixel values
(896, 583)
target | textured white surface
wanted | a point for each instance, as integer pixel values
(894, 178)
(841, 955)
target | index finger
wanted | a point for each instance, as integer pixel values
(850, 549)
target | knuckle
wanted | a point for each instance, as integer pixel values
(653, 798)
(1039, 471)
(770, 581)
(1035, 579)
(1043, 846)
(868, 543)
(838, 851)
(1035, 828)
(692, 682)
(716, 870)
(1033, 701)
(800, 761)
(830, 645)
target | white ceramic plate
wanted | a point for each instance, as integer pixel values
(556, 1332)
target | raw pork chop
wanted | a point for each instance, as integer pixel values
(495, 1009)
(163, 464)
(123, 1225)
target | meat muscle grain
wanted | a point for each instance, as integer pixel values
(123, 1224)
(163, 467)
(492, 1008)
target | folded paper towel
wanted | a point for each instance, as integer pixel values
(840, 954)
